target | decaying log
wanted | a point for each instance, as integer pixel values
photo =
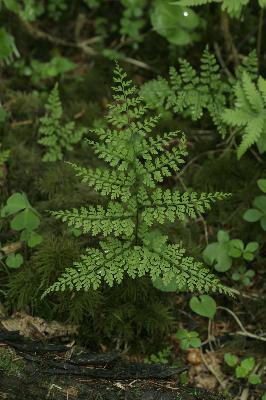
(52, 371)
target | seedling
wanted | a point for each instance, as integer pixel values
(221, 253)
(258, 211)
(188, 339)
(243, 275)
(243, 369)
(25, 219)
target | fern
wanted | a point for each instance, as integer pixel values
(250, 64)
(249, 113)
(57, 138)
(8, 49)
(130, 243)
(190, 93)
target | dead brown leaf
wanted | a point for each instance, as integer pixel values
(37, 328)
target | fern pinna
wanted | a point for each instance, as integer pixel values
(130, 241)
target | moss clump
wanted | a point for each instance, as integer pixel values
(10, 363)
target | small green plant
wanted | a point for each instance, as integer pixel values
(162, 357)
(203, 305)
(191, 93)
(188, 339)
(8, 49)
(243, 369)
(220, 254)
(258, 212)
(25, 219)
(243, 275)
(39, 71)
(132, 20)
(177, 24)
(54, 136)
(10, 364)
(130, 240)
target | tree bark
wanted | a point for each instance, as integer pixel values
(52, 371)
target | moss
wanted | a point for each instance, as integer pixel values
(10, 363)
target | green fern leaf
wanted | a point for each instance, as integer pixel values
(129, 242)
(54, 136)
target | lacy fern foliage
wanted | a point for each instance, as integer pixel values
(54, 136)
(189, 92)
(249, 113)
(130, 242)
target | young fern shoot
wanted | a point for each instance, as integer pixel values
(129, 239)
(54, 136)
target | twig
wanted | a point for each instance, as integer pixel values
(212, 370)
(221, 60)
(243, 331)
(21, 123)
(84, 46)
(244, 394)
(229, 42)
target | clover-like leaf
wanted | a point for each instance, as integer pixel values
(252, 215)
(262, 185)
(26, 219)
(254, 379)
(230, 359)
(203, 305)
(32, 238)
(245, 367)
(15, 203)
(236, 247)
(216, 254)
(14, 260)
(175, 23)
(252, 247)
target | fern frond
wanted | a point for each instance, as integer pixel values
(250, 64)
(249, 112)
(136, 161)
(54, 136)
